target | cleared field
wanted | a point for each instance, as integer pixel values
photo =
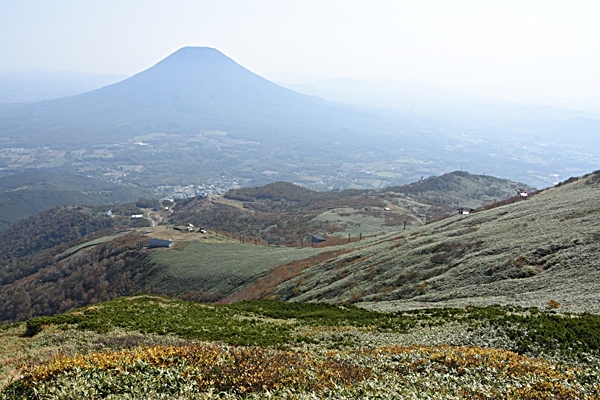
(220, 268)
(103, 239)
(57, 162)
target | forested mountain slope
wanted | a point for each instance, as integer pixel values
(31, 192)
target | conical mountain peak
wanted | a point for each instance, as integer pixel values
(195, 88)
(195, 56)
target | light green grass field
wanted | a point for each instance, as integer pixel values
(219, 267)
(103, 239)
(57, 162)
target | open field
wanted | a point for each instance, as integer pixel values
(100, 240)
(57, 162)
(216, 268)
(351, 221)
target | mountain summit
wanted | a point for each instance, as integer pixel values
(193, 89)
(204, 79)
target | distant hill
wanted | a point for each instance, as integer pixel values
(283, 213)
(463, 189)
(31, 192)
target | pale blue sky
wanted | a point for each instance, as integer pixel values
(545, 44)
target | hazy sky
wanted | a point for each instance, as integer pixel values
(546, 44)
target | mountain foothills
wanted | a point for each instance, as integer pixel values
(222, 243)
(492, 304)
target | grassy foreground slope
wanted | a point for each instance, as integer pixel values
(150, 347)
(540, 252)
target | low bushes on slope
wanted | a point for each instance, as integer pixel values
(310, 350)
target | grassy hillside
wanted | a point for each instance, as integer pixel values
(538, 252)
(150, 347)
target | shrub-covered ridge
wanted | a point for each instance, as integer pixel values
(153, 347)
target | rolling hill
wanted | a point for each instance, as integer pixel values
(283, 213)
(71, 256)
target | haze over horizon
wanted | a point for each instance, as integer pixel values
(549, 48)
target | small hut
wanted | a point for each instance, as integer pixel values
(154, 243)
(316, 238)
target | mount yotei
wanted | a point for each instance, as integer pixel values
(192, 90)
